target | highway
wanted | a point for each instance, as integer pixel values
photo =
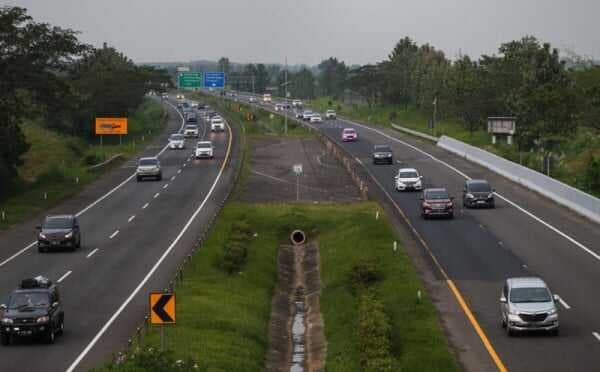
(525, 235)
(134, 237)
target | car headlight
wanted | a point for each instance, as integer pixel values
(552, 311)
(69, 235)
(418, 183)
(470, 196)
(43, 319)
(491, 195)
(43, 236)
(7, 321)
(512, 312)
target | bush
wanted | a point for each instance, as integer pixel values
(153, 360)
(52, 175)
(374, 331)
(235, 250)
(364, 273)
(93, 158)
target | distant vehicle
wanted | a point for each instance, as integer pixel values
(60, 231)
(382, 154)
(190, 130)
(296, 103)
(526, 304)
(330, 114)
(437, 202)
(267, 98)
(478, 193)
(408, 179)
(191, 117)
(185, 104)
(194, 104)
(33, 309)
(204, 149)
(349, 135)
(278, 107)
(217, 124)
(251, 99)
(180, 97)
(299, 115)
(164, 96)
(307, 114)
(176, 141)
(148, 167)
(316, 118)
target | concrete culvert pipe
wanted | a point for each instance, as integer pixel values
(298, 237)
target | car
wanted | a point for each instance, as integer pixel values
(164, 96)
(176, 141)
(478, 193)
(191, 117)
(194, 104)
(299, 115)
(307, 114)
(436, 202)
(297, 103)
(408, 179)
(180, 97)
(382, 154)
(148, 167)
(315, 118)
(278, 107)
(267, 98)
(251, 99)
(34, 309)
(217, 124)
(191, 130)
(59, 231)
(349, 135)
(330, 114)
(526, 304)
(204, 149)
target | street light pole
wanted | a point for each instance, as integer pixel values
(286, 99)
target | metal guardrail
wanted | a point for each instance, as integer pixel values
(568, 196)
(106, 162)
(415, 133)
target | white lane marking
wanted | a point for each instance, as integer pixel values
(64, 276)
(165, 186)
(173, 178)
(358, 160)
(131, 218)
(114, 234)
(147, 277)
(145, 205)
(536, 218)
(92, 253)
(179, 171)
(562, 302)
(184, 164)
(156, 195)
(17, 254)
(597, 335)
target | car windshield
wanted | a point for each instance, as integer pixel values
(146, 162)
(383, 149)
(307, 112)
(349, 131)
(176, 137)
(436, 195)
(524, 295)
(57, 223)
(480, 187)
(190, 127)
(408, 174)
(203, 144)
(31, 299)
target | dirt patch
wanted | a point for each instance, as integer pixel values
(272, 178)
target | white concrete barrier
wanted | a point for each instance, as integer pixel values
(415, 133)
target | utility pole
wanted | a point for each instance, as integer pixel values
(286, 98)
(434, 115)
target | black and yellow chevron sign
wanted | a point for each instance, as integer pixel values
(162, 308)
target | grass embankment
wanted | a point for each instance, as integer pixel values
(223, 319)
(57, 166)
(570, 168)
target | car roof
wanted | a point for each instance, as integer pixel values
(471, 182)
(381, 146)
(61, 216)
(437, 189)
(149, 158)
(526, 282)
(204, 143)
(407, 170)
(349, 129)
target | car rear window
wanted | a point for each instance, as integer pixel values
(204, 144)
(148, 161)
(190, 127)
(57, 223)
(408, 175)
(523, 295)
(383, 148)
(176, 137)
(438, 194)
(480, 187)
(349, 130)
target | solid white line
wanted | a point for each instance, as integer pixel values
(64, 276)
(549, 226)
(114, 234)
(165, 186)
(597, 335)
(97, 200)
(145, 205)
(562, 302)
(173, 178)
(92, 253)
(156, 195)
(179, 171)
(131, 218)
(147, 277)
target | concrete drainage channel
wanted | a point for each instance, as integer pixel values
(296, 327)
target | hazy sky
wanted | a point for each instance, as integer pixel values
(307, 31)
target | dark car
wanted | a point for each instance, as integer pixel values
(61, 231)
(478, 193)
(33, 309)
(191, 117)
(437, 202)
(382, 154)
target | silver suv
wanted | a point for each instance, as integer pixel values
(528, 305)
(148, 167)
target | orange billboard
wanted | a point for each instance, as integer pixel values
(111, 126)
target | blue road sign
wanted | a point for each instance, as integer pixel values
(214, 80)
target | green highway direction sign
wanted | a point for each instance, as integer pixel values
(190, 80)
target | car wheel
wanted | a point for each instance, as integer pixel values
(503, 322)
(5, 339)
(50, 336)
(451, 215)
(510, 332)
(138, 178)
(160, 177)
(79, 242)
(492, 205)
(61, 327)
(40, 249)
(555, 332)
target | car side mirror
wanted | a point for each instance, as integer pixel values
(420, 177)
(55, 304)
(503, 299)
(3, 307)
(493, 190)
(556, 298)
(465, 190)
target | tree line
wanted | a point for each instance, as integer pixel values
(47, 73)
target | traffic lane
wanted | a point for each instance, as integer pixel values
(483, 294)
(98, 286)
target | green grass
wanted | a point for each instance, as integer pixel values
(54, 163)
(223, 320)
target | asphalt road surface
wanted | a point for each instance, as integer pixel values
(526, 234)
(133, 240)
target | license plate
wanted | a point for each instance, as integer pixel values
(54, 243)
(24, 333)
(438, 206)
(481, 202)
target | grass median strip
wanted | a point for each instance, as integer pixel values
(223, 314)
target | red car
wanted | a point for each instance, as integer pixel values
(349, 134)
(437, 202)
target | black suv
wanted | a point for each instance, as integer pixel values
(382, 154)
(478, 193)
(34, 309)
(61, 231)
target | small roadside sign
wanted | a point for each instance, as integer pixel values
(297, 169)
(162, 308)
(111, 126)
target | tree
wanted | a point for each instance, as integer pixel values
(224, 66)
(262, 78)
(366, 80)
(332, 78)
(302, 84)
